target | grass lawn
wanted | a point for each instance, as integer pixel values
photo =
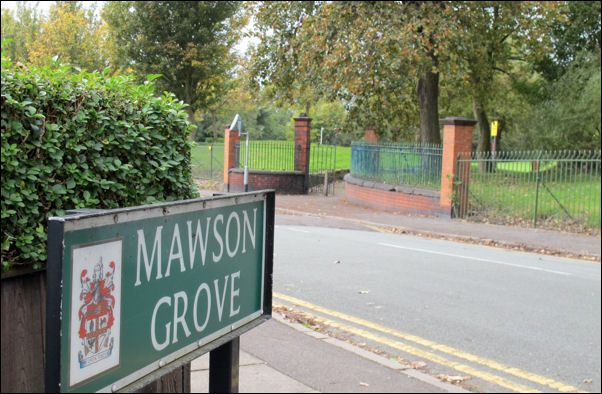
(208, 159)
(570, 202)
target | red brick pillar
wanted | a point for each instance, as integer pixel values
(302, 146)
(370, 135)
(457, 138)
(230, 138)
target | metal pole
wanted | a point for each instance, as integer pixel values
(246, 176)
(334, 166)
(536, 189)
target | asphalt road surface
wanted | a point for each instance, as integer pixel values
(510, 321)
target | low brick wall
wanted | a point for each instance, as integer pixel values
(284, 182)
(397, 198)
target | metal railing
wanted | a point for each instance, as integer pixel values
(322, 167)
(557, 190)
(398, 163)
(208, 161)
(267, 155)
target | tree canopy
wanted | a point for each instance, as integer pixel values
(384, 60)
(188, 43)
(398, 66)
(69, 34)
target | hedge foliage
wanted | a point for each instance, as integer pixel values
(77, 139)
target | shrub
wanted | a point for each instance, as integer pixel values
(77, 139)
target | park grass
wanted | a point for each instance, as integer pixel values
(208, 159)
(566, 203)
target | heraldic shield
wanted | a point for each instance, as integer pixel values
(95, 310)
(96, 314)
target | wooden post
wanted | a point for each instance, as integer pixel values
(223, 367)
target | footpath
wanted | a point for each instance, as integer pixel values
(280, 356)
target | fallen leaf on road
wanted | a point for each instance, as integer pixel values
(587, 380)
(337, 262)
(364, 384)
(453, 379)
(418, 364)
(364, 291)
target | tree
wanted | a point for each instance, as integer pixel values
(577, 29)
(21, 27)
(490, 37)
(275, 61)
(568, 115)
(188, 43)
(262, 120)
(73, 34)
(377, 57)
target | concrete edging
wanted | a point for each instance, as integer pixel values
(373, 357)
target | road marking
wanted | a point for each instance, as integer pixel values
(428, 356)
(297, 230)
(477, 259)
(435, 346)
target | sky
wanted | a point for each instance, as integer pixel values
(43, 6)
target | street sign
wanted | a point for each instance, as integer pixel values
(134, 293)
(494, 127)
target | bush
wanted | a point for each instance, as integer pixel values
(76, 139)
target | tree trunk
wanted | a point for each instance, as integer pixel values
(484, 143)
(214, 120)
(190, 113)
(427, 90)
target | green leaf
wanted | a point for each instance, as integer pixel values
(58, 189)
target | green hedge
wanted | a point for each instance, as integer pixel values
(77, 139)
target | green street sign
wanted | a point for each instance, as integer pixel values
(134, 293)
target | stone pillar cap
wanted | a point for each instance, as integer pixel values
(458, 121)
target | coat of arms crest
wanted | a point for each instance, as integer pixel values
(96, 314)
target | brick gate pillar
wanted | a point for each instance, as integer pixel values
(230, 138)
(302, 147)
(370, 135)
(457, 138)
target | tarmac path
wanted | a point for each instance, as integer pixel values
(508, 320)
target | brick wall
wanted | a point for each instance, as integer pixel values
(381, 196)
(284, 182)
(294, 182)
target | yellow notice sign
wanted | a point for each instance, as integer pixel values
(494, 125)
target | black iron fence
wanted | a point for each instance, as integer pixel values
(270, 155)
(266, 155)
(208, 161)
(555, 190)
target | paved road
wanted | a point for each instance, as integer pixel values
(511, 320)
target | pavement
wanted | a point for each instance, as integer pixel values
(280, 356)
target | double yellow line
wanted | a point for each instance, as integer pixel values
(432, 345)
